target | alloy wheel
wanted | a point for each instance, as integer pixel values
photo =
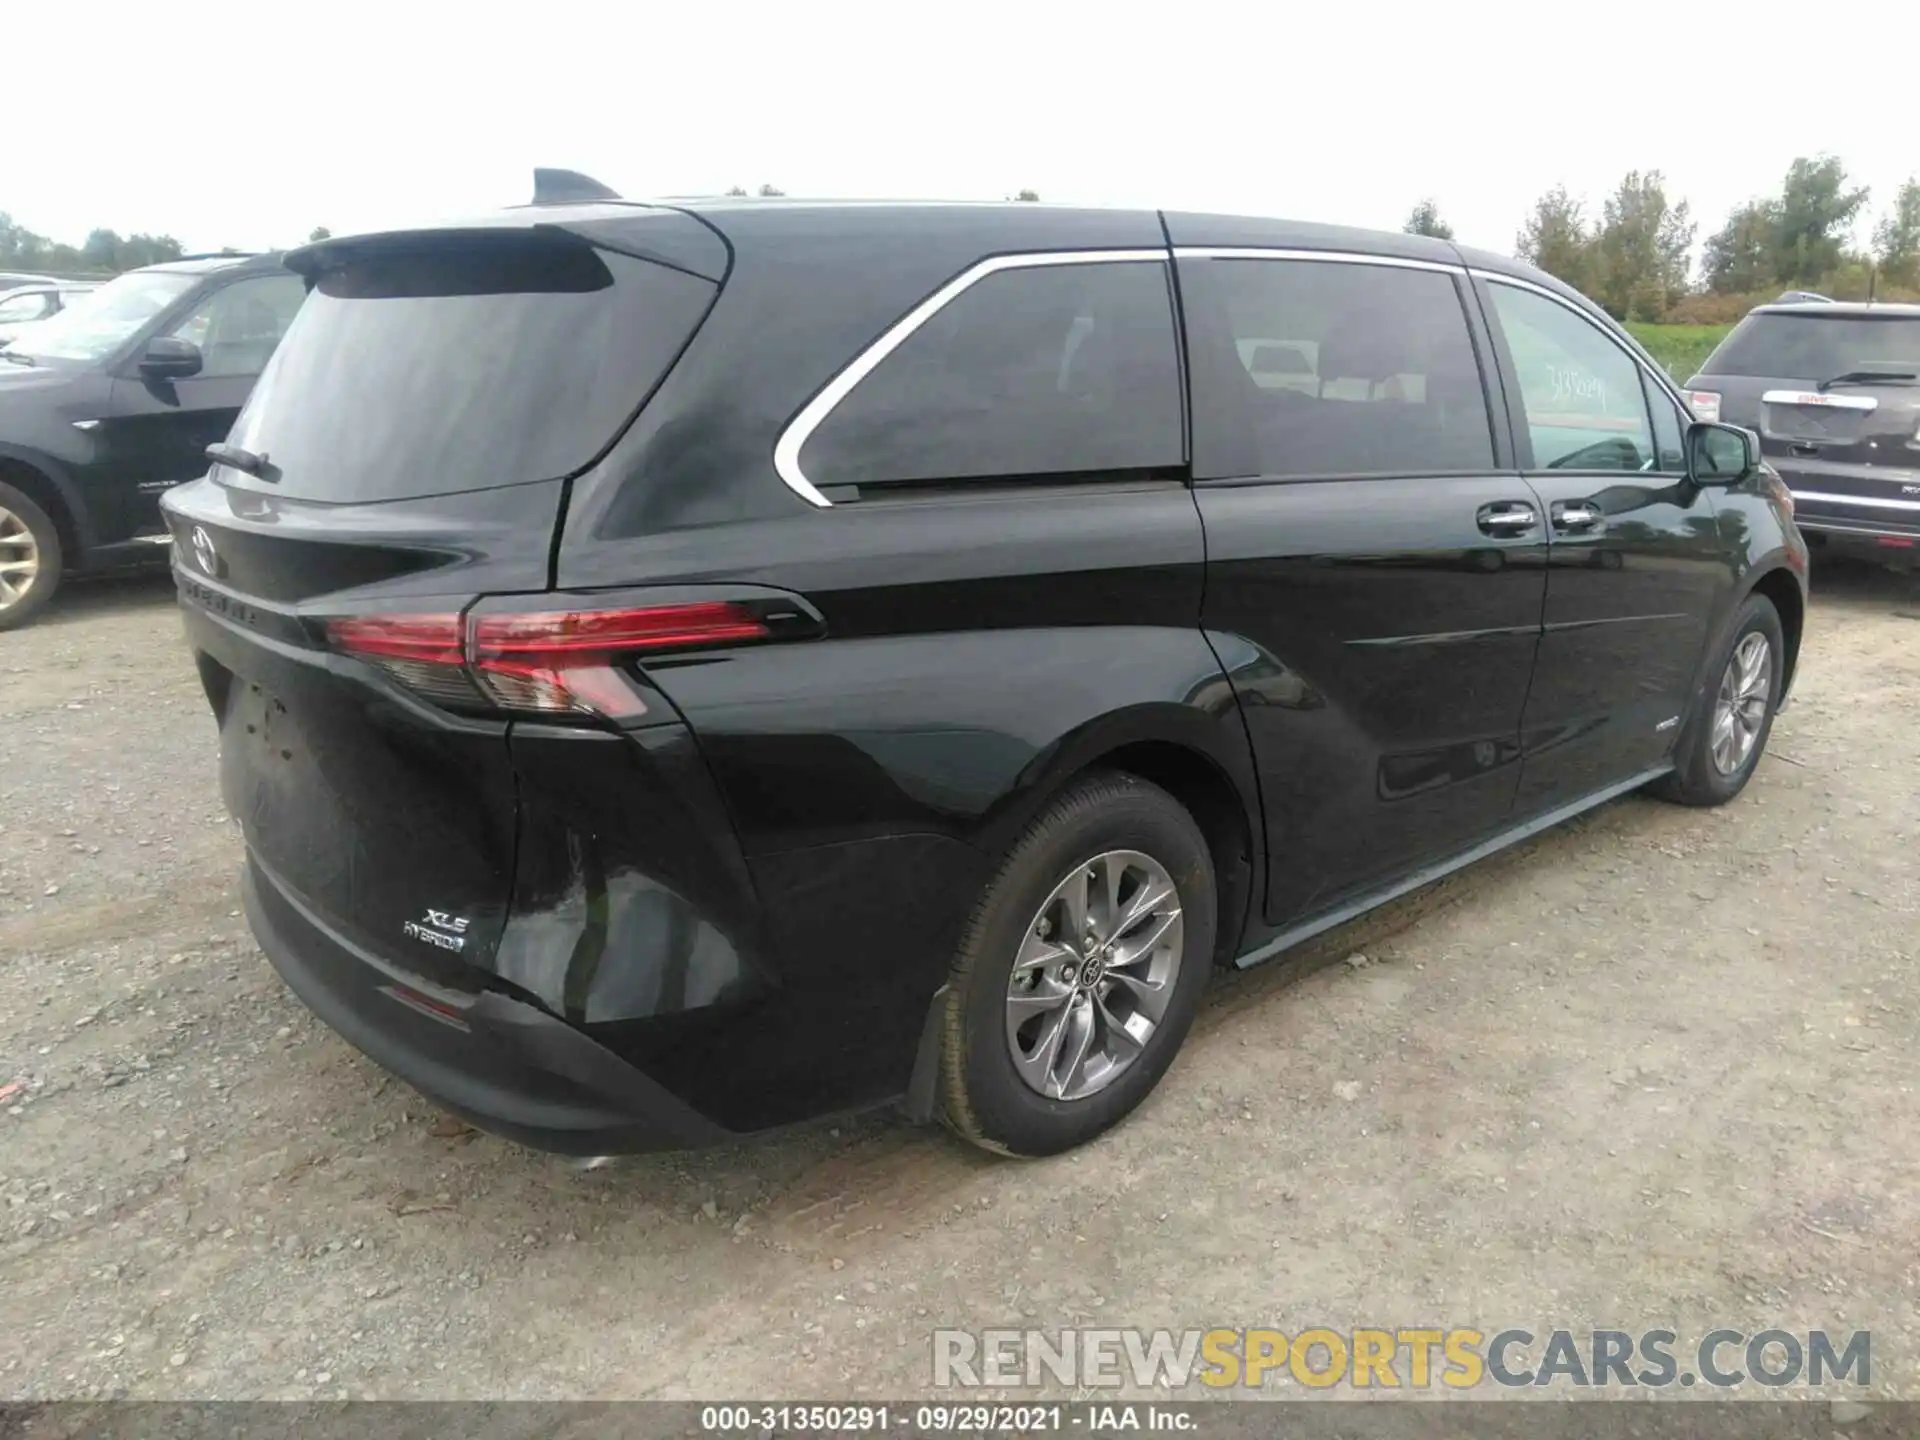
(1741, 707)
(19, 559)
(1094, 975)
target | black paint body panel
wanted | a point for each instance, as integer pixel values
(747, 898)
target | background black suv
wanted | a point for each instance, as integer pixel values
(104, 406)
(1834, 390)
(681, 670)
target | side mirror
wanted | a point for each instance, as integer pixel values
(170, 359)
(1721, 454)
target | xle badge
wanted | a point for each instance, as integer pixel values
(438, 928)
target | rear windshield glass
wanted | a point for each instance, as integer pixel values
(470, 365)
(1817, 347)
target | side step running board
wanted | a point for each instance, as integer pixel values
(1419, 879)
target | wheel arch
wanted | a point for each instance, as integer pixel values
(1781, 586)
(1201, 757)
(1178, 748)
(43, 482)
(1209, 796)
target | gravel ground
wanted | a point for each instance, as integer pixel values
(1652, 1069)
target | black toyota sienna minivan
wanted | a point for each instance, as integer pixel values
(686, 668)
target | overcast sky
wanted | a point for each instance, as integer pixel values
(250, 124)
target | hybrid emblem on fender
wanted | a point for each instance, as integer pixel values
(203, 552)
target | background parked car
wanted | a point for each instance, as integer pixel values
(1834, 391)
(110, 402)
(30, 304)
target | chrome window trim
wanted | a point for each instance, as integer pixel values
(1336, 257)
(1870, 501)
(1815, 397)
(786, 450)
(1660, 377)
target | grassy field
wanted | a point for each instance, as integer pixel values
(1680, 348)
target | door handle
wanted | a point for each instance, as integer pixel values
(1575, 515)
(1507, 517)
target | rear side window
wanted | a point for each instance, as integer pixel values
(464, 366)
(1817, 347)
(1585, 408)
(1029, 372)
(1310, 368)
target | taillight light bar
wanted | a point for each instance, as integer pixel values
(553, 662)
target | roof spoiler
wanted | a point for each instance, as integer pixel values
(567, 187)
(1803, 297)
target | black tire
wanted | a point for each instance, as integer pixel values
(1696, 779)
(983, 1096)
(46, 538)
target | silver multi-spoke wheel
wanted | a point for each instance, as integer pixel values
(1094, 975)
(19, 559)
(1740, 710)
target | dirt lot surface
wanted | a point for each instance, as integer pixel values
(1654, 1069)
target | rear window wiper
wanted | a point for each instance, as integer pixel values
(1872, 377)
(16, 357)
(244, 461)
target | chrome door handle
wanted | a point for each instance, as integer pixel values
(1511, 518)
(1575, 517)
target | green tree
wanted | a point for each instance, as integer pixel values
(19, 246)
(104, 251)
(101, 250)
(318, 233)
(1738, 258)
(1639, 254)
(137, 250)
(1425, 219)
(736, 190)
(1027, 195)
(1556, 238)
(1812, 219)
(1896, 239)
(770, 191)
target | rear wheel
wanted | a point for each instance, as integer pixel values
(1733, 713)
(30, 558)
(1080, 970)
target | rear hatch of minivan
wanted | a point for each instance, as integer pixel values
(402, 464)
(1834, 392)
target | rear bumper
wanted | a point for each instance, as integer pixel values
(500, 1064)
(1828, 521)
(1853, 500)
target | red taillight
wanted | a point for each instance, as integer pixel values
(547, 662)
(422, 652)
(430, 639)
(558, 661)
